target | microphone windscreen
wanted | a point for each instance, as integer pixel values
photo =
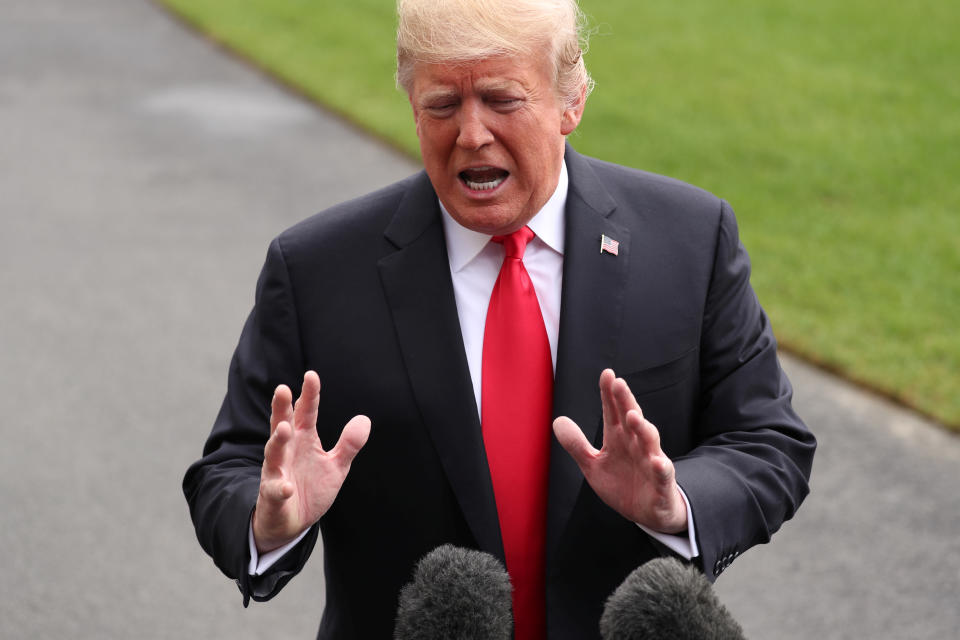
(456, 593)
(665, 598)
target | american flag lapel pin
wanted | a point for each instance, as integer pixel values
(609, 245)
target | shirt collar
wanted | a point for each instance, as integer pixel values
(463, 245)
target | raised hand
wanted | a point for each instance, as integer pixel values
(630, 473)
(299, 480)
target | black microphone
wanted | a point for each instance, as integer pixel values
(665, 598)
(456, 593)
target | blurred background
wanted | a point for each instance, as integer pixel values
(150, 150)
(832, 128)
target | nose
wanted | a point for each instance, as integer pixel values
(474, 133)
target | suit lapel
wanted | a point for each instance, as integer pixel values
(590, 324)
(419, 291)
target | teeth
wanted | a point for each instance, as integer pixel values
(483, 178)
(485, 186)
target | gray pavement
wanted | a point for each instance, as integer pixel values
(142, 174)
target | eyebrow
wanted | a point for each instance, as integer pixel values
(482, 86)
(497, 84)
(437, 94)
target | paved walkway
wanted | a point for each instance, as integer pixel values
(142, 174)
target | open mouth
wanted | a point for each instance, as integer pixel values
(483, 178)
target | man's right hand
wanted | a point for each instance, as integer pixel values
(299, 480)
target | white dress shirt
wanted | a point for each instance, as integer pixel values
(474, 266)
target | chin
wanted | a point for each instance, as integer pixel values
(490, 219)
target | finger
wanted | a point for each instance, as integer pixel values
(281, 407)
(276, 490)
(613, 416)
(274, 486)
(617, 433)
(647, 435)
(670, 509)
(573, 441)
(274, 453)
(663, 472)
(623, 397)
(305, 410)
(649, 439)
(610, 416)
(354, 436)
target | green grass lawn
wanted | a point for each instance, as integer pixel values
(833, 128)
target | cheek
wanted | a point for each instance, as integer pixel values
(426, 131)
(436, 140)
(537, 152)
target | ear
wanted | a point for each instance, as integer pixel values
(572, 114)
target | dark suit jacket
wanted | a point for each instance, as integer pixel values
(362, 294)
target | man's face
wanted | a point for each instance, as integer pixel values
(492, 138)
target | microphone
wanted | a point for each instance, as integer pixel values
(456, 593)
(665, 598)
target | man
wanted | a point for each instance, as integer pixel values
(452, 316)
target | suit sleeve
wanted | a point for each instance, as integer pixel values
(750, 471)
(221, 488)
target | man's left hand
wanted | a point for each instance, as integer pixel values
(630, 473)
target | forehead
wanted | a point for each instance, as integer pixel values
(489, 74)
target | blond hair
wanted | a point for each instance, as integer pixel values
(460, 31)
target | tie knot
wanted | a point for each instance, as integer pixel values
(515, 243)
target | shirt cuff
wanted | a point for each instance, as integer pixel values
(683, 545)
(259, 564)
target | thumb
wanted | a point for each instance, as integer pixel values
(354, 436)
(571, 438)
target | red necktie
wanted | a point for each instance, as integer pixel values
(516, 398)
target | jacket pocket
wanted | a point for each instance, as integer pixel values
(664, 375)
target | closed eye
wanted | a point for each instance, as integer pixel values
(505, 105)
(441, 110)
